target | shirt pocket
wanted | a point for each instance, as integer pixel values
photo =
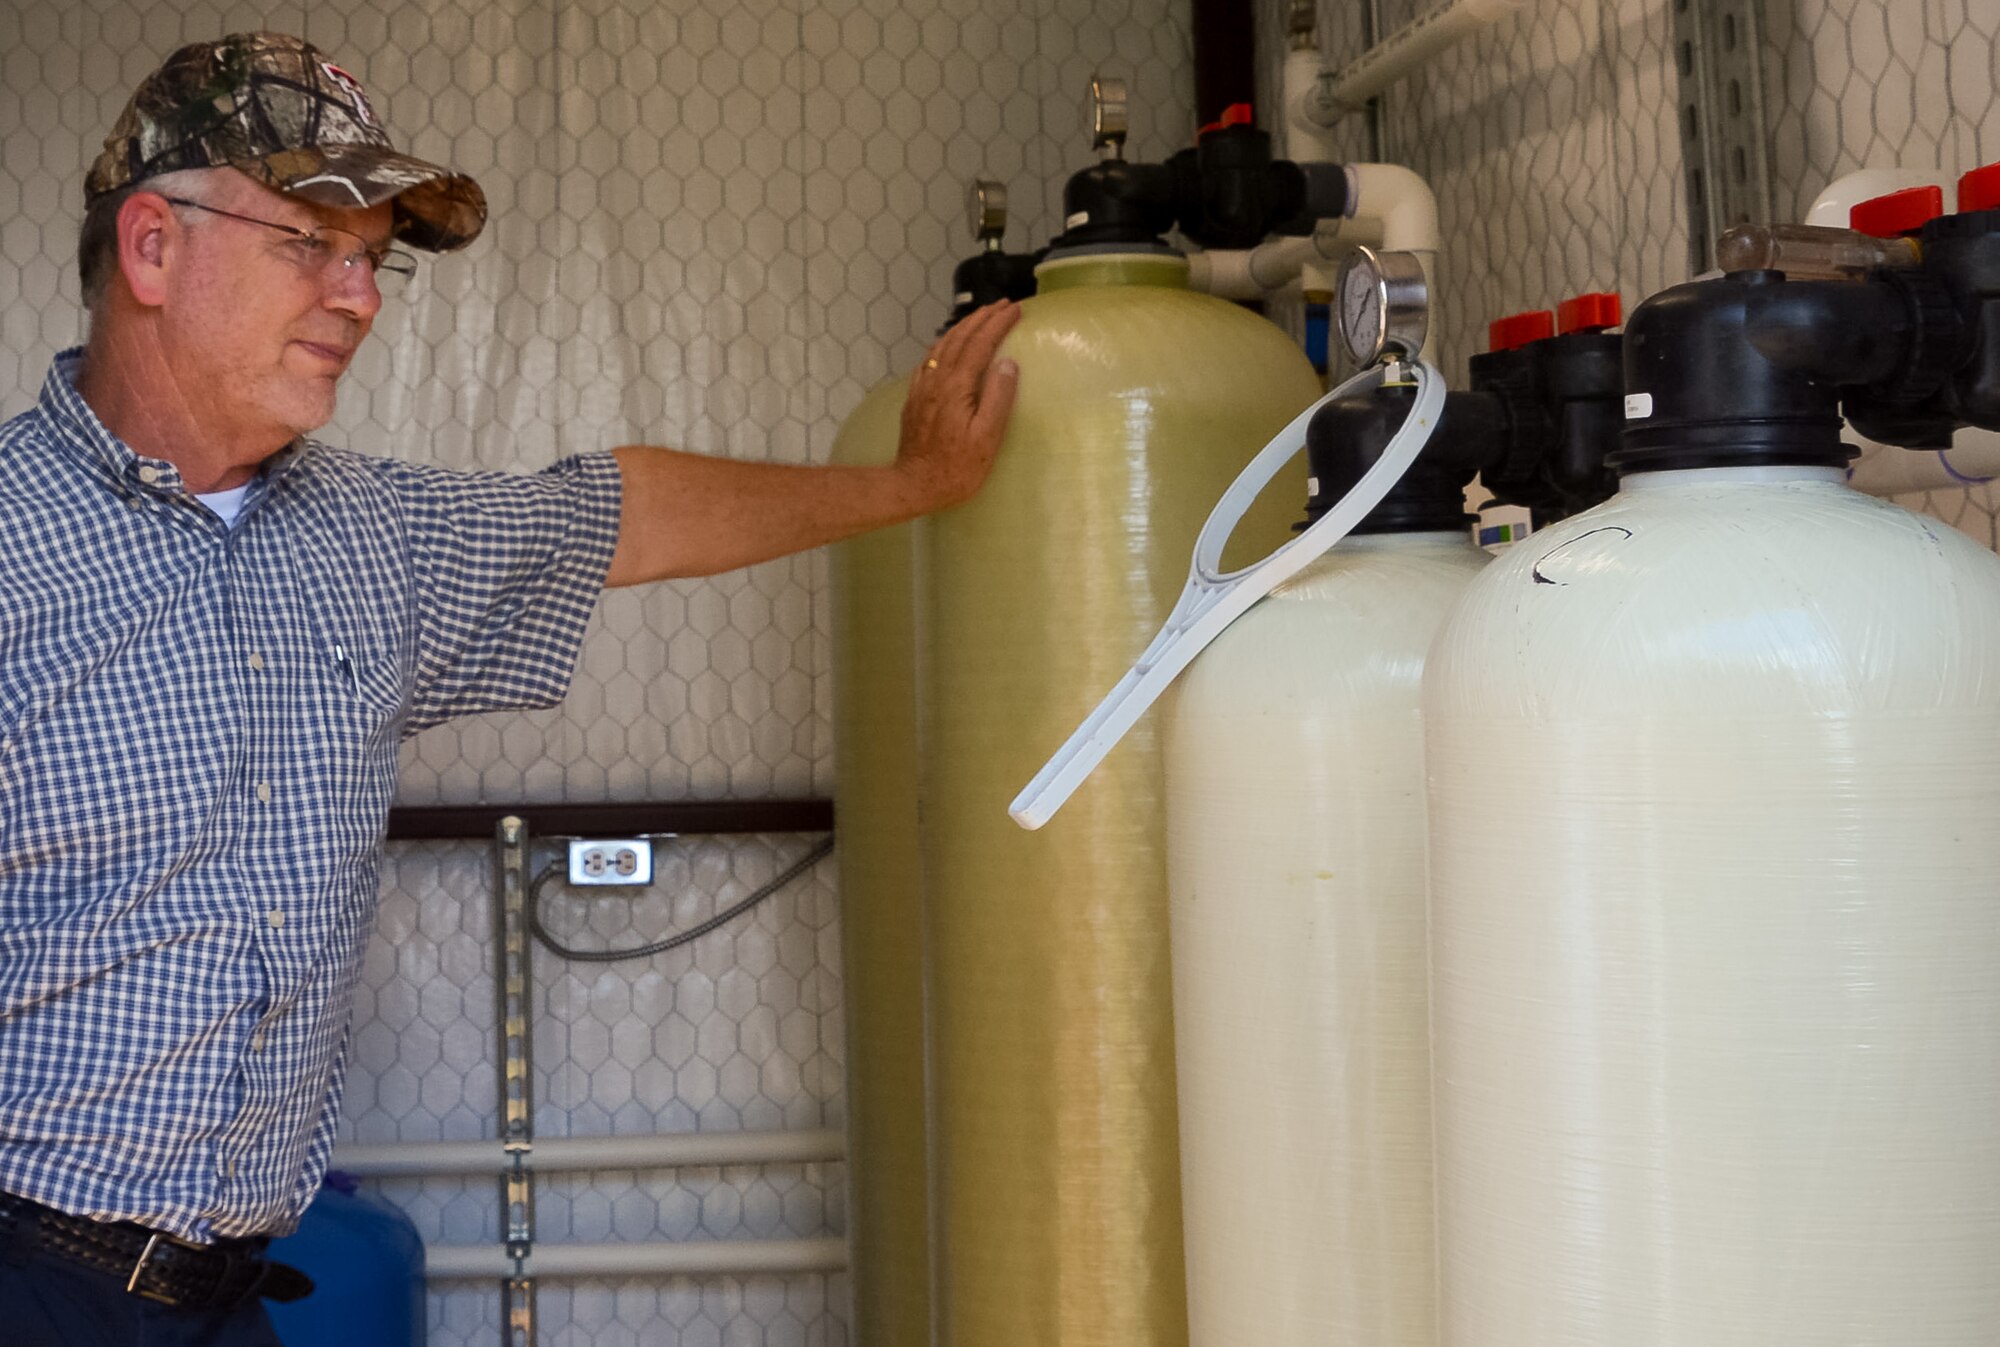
(360, 648)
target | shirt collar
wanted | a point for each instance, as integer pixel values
(89, 438)
(93, 441)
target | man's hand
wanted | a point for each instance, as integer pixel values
(957, 410)
(693, 514)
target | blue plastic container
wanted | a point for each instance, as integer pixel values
(367, 1265)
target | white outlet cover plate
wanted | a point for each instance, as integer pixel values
(596, 861)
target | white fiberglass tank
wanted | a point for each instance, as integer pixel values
(1295, 830)
(1715, 910)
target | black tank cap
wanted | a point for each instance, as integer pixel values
(1745, 369)
(1116, 202)
(1347, 437)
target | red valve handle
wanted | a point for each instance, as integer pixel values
(1518, 329)
(1236, 114)
(1980, 189)
(1591, 312)
(1899, 213)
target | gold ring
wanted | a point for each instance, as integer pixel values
(931, 363)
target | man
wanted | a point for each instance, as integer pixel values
(213, 633)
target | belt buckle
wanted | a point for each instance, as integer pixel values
(153, 1242)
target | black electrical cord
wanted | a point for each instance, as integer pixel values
(819, 853)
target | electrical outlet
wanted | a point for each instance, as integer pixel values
(615, 860)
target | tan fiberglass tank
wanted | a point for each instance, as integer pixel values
(1056, 1185)
(881, 901)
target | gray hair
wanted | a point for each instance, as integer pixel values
(97, 241)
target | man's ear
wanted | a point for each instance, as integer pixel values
(147, 235)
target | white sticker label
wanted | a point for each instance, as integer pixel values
(1078, 220)
(1312, 486)
(962, 297)
(1638, 406)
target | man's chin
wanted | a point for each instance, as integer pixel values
(309, 409)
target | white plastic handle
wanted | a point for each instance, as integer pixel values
(1212, 600)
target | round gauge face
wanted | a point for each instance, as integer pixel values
(1363, 312)
(1107, 110)
(986, 209)
(1384, 302)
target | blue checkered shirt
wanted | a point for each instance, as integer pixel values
(198, 738)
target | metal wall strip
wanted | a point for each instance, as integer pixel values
(1726, 159)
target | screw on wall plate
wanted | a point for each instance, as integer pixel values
(617, 860)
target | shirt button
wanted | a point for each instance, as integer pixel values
(134, 503)
(256, 661)
(228, 1167)
(257, 1041)
(264, 792)
(276, 917)
(149, 474)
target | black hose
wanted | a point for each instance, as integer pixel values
(819, 853)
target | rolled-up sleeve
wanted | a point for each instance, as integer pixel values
(508, 568)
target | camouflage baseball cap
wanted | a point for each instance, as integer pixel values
(277, 109)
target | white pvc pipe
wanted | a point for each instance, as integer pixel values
(1252, 273)
(707, 1150)
(1401, 200)
(1302, 136)
(1391, 207)
(1403, 51)
(651, 1258)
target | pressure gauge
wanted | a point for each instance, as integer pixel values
(1384, 304)
(1109, 119)
(986, 207)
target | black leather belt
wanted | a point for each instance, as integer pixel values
(151, 1263)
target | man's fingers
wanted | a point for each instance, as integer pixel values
(996, 399)
(959, 401)
(995, 321)
(969, 346)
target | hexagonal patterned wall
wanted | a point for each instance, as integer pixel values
(715, 225)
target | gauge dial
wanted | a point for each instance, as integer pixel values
(1108, 117)
(1384, 304)
(986, 208)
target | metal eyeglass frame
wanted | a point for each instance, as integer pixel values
(393, 260)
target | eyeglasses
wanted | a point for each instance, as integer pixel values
(314, 252)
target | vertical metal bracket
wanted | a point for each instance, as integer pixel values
(517, 1312)
(517, 1137)
(1717, 49)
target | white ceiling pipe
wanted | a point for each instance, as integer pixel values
(1886, 469)
(1402, 52)
(1312, 100)
(650, 1258)
(664, 1151)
